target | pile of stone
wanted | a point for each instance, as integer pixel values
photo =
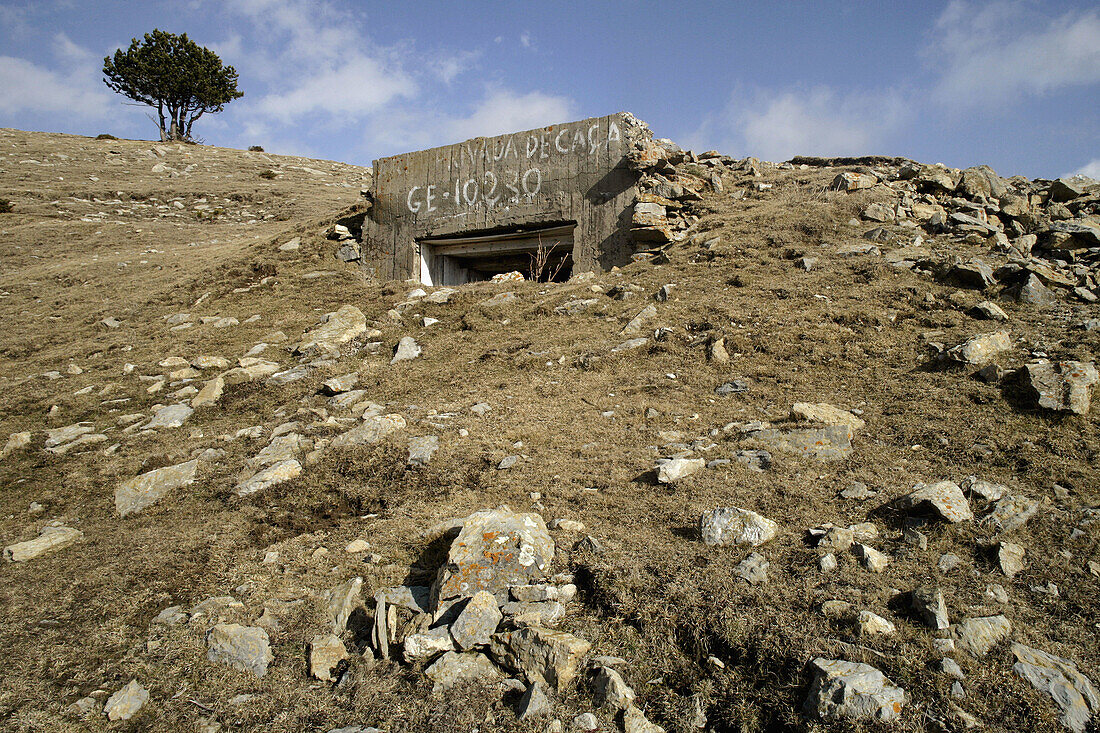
(493, 611)
(1049, 231)
(347, 245)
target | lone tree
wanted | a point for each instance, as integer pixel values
(181, 79)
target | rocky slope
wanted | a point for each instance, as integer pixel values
(823, 459)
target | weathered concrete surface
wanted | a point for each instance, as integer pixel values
(573, 172)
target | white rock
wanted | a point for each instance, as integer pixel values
(734, 526)
(1072, 691)
(270, 476)
(125, 703)
(142, 491)
(669, 472)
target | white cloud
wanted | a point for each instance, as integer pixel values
(1090, 170)
(779, 124)
(1004, 49)
(414, 127)
(360, 85)
(504, 111)
(525, 39)
(31, 88)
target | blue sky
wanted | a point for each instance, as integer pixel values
(1011, 83)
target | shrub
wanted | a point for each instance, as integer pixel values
(6, 206)
(255, 148)
(269, 175)
(105, 136)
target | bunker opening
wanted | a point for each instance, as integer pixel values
(544, 254)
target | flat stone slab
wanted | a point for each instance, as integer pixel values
(979, 635)
(126, 703)
(270, 476)
(171, 416)
(51, 539)
(374, 429)
(823, 444)
(143, 491)
(336, 328)
(454, 668)
(1072, 691)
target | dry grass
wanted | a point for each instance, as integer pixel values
(848, 333)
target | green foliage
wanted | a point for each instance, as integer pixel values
(6, 206)
(174, 75)
(255, 148)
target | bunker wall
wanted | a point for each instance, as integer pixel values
(560, 174)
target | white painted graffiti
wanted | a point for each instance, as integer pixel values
(491, 187)
(489, 190)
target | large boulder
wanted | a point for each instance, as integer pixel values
(1064, 386)
(496, 549)
(842, 689)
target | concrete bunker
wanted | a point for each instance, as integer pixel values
(549, 203)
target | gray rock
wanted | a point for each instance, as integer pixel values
(342, 383)
(638, 322)
(734, 526)
(979, 635)
(544, 613)
(753, 569)
(755, 459)
(944, 498)
(611, 690)
(877, 212)
(737, 386)
(822, 444)
(630, 344)
(671, 471)
(335, 329)
(341, 602)
(50, 539)
(989, 311)
(244, 647)
(325, 654)
(1064, 386)
(126, 703)
(421, 449)
(543, 655)
(428, 644)
(1072, 691)
(268, 477)
(870, 558)
(375, 429)
(407, 349)
(930, 607)
(1009, 513)
(842, 689)
(986, 491)
(1033, 292)
(534, 704)
(981, 349)
(171, 416)
(586, 722)
(142, 491)
(951, 668)
(455, 668)
(1010, 558)
(477, 622)
(495, 550)
(507, 462)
